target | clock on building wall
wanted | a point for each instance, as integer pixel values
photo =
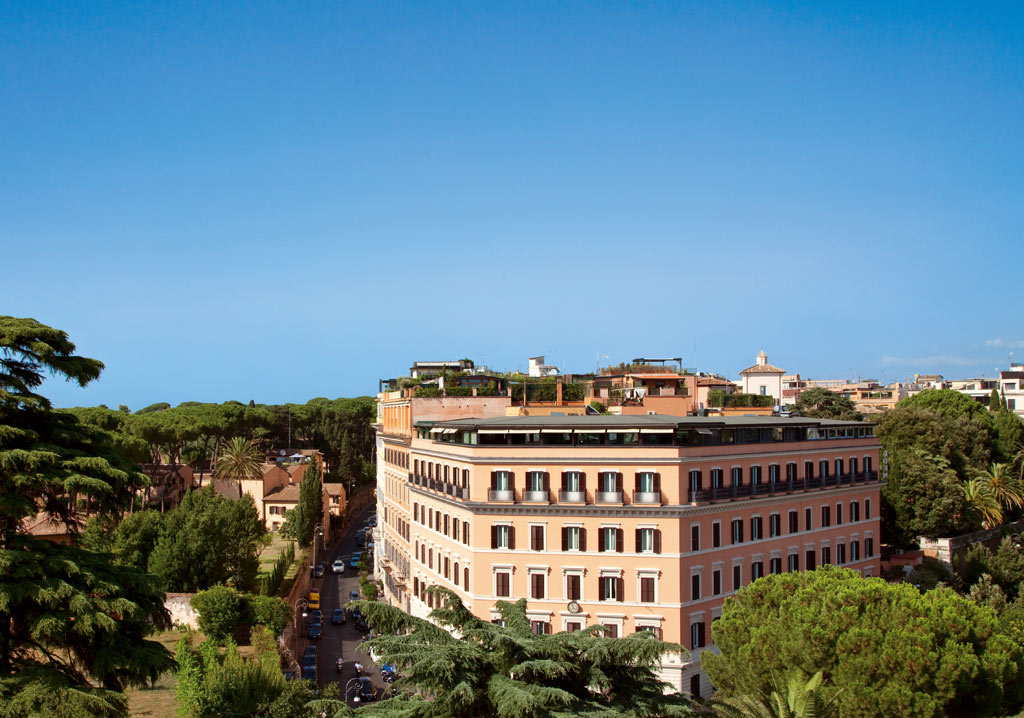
(574, 607)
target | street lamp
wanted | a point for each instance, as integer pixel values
(318, 530)
(303, 604)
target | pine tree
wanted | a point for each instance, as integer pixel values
(73, 623)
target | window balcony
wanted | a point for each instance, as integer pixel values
(647, 497)
(501, 495)
(572, 497)
(536, 497)
(608, 497)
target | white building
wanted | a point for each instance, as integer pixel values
(538, 368)
(763, 378)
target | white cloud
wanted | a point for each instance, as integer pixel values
(1011, 344)
(925, 362)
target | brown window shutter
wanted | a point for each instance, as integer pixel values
(583, 481)
(547, 481)
(639, 539)
(636, 481)
(583, 539)
(511, 538)
(657, 540)
(621, 596)
(565, 538)
(618, 482)
(657, 482)
(564, 484)
(494, 537)
(494, 480)
(619, 540)
(600, 590)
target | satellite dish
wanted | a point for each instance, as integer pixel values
(283, 452)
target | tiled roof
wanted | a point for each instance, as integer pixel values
(334, 488)
(763, 369)
(283, 495)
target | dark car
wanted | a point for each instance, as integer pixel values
(353, 595)
(360, 539)
(338, 616)
(366, 690)
(309, 657)
(319, 569)
(354, 561)
(315, 631)
(316, 616)
(309, 673)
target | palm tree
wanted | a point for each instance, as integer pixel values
(800, 697)
(980, 504)
(238, 460)
(1007, 489)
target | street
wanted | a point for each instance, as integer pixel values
(342, 640)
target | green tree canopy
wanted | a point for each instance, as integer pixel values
(509, 672)
(221, 610)
(301, 521)
(73, 623)
(890, 649)
(824, 404)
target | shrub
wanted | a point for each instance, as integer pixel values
(271, 612)
(221, 609)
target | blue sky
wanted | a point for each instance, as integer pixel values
(277, 201)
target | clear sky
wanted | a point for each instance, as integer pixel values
(277, 201)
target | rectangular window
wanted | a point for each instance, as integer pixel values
(756, 528)
(537, 585)
(737, 476)
(826, 555)
(737, 531)
(737, 577)
(447, 525)
(791, 471)
(501, 537)
(854, 511)
(645, 482)
(572, 587)
(808, 469)
(455, 529)
(756, 570)
(826, 517)
(774, 527)
(716, 478)
(465, 532)
(611, 630)
(807, 519)
(840, 553)
(535, 481)
(775, 565)
(755, 474)
(573, 481)
(869, 547)
(839, 467)
(794, 522)
(716, 534)
(839, 514)
(502, 584)
(646, 541)
(536, 538)
(823, 468)
(609, 588)
(540, 628)
(695, 587)
(695, 537)
(867, 509)
(697, 635)
(502, 481)
(610, 540)
(716, 582)
(809, 559)
(773, 473)
(855, 550)
(646, 589)
(571, 538)
(609, 481)
(794, 562)
(572, 626)
(696, 482)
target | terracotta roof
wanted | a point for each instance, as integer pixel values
(283, 495)
(712, 381)
(333, 488)
(44, 524)
(763, 369)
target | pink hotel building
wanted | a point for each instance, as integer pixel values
(637, 523)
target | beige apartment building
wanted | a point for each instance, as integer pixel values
(636, 523)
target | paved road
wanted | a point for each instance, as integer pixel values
(342, 640)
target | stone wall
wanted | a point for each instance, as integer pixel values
(953, 549)
(180, 607)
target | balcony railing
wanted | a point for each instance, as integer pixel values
(501, 495)
(608, 497)
(773, 488)
(647, 497)
(572, 497)
(536, 497)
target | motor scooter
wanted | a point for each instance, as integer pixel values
(359, 668)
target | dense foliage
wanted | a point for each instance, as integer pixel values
(510, 672)
(73, 623)
(300, 522)
(821, 403)
(889, 649)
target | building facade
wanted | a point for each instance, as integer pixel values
(763, 378)
(636, 523)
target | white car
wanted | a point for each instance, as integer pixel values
(338, 566)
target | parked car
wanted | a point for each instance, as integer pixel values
(309, 657)
(353, 595)
(309, 673)
(338, 566)
(317, 616)
(354, 561)
(314, 600)
(338, 616)
(360, 539)
(319, 570)
(315, 631)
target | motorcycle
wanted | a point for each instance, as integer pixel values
(340, 664)
(359, 668)
(388, 674)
